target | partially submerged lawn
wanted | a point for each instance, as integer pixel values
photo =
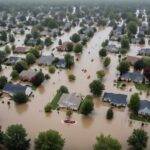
(55, 100)
(142, 87)
(139, 118)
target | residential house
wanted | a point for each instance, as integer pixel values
(145, 52)
(144, 108)
(115, 99)
(136, 77)
(63, 47)
(46, 60)
(12, 89)
(21, 49)
(28, 75)
(61, 63)
(112, 48)
(71, 101)
(13, 60)
(132, 59)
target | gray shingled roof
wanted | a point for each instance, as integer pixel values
(115, 99)
(144, 107)
(71, 101)
(46, 60)
(133, 76)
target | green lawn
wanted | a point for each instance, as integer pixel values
(55, 100)
(142, 87)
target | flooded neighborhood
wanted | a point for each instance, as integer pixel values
(75, 76)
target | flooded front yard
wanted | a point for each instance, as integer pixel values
(79, 136)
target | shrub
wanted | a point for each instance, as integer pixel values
(51, 69)
(48, 108)
(3, 81)
(71, 77)
(14, 75)
(110, 113)
(100, 74)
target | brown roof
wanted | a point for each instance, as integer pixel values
(27, 75)
(20, 49)
(63, 47)
(133, 59)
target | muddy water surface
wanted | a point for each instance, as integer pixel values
(80, 136)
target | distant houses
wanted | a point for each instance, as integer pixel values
(71, 101)
(136, 77)
(12, 89)
(119, 100)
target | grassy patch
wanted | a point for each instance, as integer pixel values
(142, 87)
(139, 118)
(55, 100)
(120, 84)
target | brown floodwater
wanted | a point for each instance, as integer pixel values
(82, 134)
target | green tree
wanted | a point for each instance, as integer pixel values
(78, 48)
(30, 58)
(20, 66)
(105, 43)
(71, 77)
(63, 89)
(134, 103)
(51, 23)
(48, 41)
(16, 138)
(106, 62)
(132, 27)
(3, 81)
(60, 42)
(96, 87)
(69, 60)
(123, 67)
(35, 52)
(14, 75)
(125, 43)
(87, 105)
(11, 38)
(107, 143)
(38, 79)
(103, 52)
(7, 49)
(49, 140)
(69, 46)
(3, 36)
(138, 139)
(20, 98)
(100, 74)
(51, 69)
(2, 56)
(109, 114)
(139, 65)
(75, 38)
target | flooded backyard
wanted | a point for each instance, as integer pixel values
(82, 134)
